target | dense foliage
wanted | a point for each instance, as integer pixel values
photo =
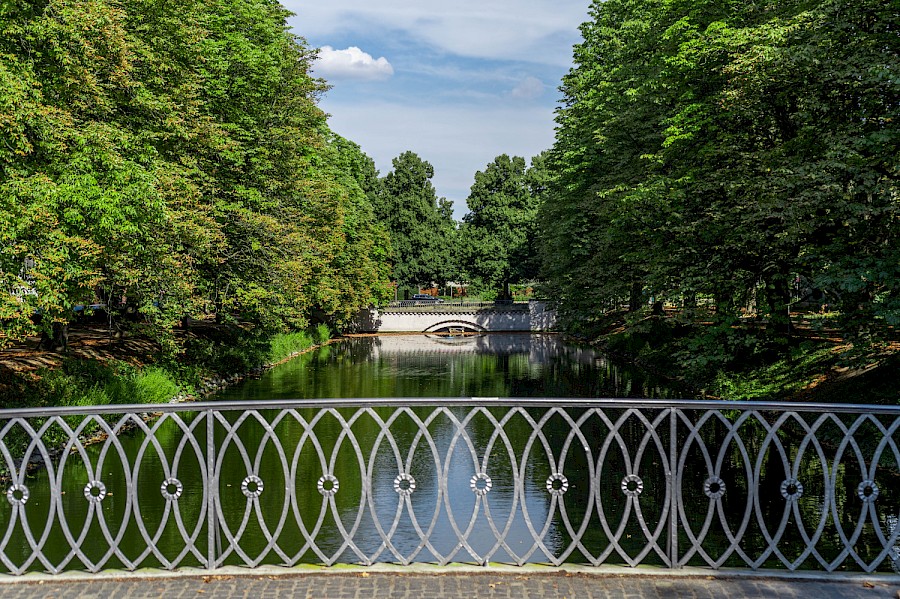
(420, 224)
(498, 237)
(737, 154)
(168, 159)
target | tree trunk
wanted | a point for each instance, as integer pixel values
(722, 305)
(634, 300)
(778, 296)
(58, 340)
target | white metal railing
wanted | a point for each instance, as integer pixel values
(592, 481)
(439, 304)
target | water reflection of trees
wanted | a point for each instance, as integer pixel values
(487, 366)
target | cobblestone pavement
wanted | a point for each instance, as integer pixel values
(363, 585)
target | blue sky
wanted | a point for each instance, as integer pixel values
(458, 83)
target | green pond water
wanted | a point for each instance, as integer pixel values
(492, 365)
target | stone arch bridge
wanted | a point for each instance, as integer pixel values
(458, 316)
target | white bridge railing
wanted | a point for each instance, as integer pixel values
(668, 483)
(444, 304)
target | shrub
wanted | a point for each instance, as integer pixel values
(322, 333)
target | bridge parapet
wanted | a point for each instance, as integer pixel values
(426, 305)
(480, 316)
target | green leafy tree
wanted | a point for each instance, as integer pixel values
(172, 155)
(452, 267)
(417, 223)
(362, 267)
(80, 192)
(725, 149)
(498, 235)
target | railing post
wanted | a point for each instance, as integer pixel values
(212, 490)
(674, 483)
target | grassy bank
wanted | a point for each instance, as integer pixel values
(212, 353)
(285, 345)
(738, 364)
(787, 378)
(93, 383)
(209, 353)
(821, 374)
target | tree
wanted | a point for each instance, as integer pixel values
(362, 267)
(498, 234)
(82, 192)
(724, 149)
(408, 206)
(173, 155)
(452, 268)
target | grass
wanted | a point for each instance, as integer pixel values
(782, 379)
(285, 345)
(80, 382)
(233, 350)
(153, 385)
(92, 383)
(85, 383)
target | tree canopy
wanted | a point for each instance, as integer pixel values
(498, 234)
(731, 151)
(420, 224)
(172, 155)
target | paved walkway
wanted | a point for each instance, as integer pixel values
(469, 584)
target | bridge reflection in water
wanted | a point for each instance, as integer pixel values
(667, 483)
(540, 349)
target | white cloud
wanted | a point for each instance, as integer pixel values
(540, 31)
(351, 63)
(529, 88)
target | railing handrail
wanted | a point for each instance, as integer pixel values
(524, 402)
(457, 303)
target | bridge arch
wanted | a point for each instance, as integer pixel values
(455, 323)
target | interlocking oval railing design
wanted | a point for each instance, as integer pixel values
(670, 483)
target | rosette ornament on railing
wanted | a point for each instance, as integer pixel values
(628, 482)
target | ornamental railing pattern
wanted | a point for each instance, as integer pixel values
(670, 483)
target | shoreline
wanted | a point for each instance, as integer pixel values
(208, 386)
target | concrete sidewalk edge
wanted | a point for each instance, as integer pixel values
(451, 570)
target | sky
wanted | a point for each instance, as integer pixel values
(458, 83)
